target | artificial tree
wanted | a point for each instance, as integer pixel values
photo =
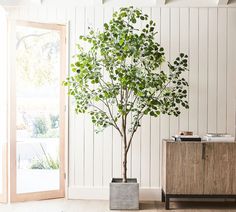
(120, 69)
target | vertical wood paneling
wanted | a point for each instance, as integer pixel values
(117, 150)
(174, 53)
(23, 13)
(117, 144)
(51, 14)
(194, 70)
(43, 11)
(203, 70)
(129, 160)
(77, 21)
(165, 43)
(61, 16)
(136, 168)
(108, 143)
(155, 122)
(33, 13)
(184, 48)
(207, 35)
(74, 138)
(231, 73)
(88, 125)
(145, 141)
(98, 137)
(164, 129)
(145, 152)
(136, 147)
(222, 70)
(212, 70)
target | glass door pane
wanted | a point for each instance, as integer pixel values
(39, 120)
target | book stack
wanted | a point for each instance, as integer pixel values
(186, 138)
(220, 137)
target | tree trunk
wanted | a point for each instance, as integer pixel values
(124, 140)
(124, 180)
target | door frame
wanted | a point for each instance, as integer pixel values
(14, 197)
(4, 153)
(4, 194)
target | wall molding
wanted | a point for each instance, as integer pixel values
(115, 3)
(102, 193)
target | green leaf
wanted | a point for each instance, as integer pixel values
(121, 42)
(106, 26)
(119, 73)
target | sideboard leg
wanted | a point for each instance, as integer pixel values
(162, 196)
(167, 202)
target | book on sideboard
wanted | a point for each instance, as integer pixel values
(186, 138)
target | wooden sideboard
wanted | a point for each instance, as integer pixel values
(198, 170)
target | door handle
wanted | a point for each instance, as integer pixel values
(203, 151)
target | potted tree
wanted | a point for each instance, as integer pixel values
(118, 76)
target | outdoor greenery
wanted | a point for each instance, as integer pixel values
(47, 162)
(36, 47)
(54, 121)
(37, 78)
(119, 76)
(39, 126)
(45, 128)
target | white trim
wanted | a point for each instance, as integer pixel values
(116, 3)
(102, 193)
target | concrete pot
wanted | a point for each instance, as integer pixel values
(124, 196)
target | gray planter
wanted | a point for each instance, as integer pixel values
(124, 196)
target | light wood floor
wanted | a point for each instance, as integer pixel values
(62, 205)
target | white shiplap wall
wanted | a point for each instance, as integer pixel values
(208, 36)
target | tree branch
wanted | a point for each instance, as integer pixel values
(27, 36)
(113, 124)
(110, 112)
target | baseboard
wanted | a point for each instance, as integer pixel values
(145, 194)
(102, 193)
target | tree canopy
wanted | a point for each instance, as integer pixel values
(121, 68)
(119, 75)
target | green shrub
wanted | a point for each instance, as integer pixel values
(54, 121)
(47, 162)
(39, 126)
